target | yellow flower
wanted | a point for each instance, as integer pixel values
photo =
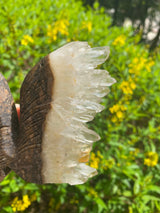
(120, 114)
(149, 65)
(94, 161)
(140, 63)
(63, 26)
(13, 205)
(114, 119)
(135, 60)
(99, 154)
(60, 26)
(133, 85)
(152, 159)
(115, 108)
(26, 40)
(130, 209)
(52, 33)
(120, 40)
(20, 205)
(26, 201)
(123, 108)
(128, 86)
(118, 111)
(87, 25)
(125, 87)
(14, 209)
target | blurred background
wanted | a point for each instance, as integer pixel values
(127, 156)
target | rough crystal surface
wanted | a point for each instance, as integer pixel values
(78, 89)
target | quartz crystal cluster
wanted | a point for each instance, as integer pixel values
(77, 93)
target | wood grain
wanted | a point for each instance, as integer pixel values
(8, 127)
(35, 102)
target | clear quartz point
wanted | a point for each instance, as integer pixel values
(92, 57)
(81, 133)
(78, 90)
(78, 109)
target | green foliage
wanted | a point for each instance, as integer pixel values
(127, 155)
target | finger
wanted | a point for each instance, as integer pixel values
(18, 110)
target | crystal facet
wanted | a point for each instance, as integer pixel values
(78, 89)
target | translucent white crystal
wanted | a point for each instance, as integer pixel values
(79, 175)
(80, 133)
(91, 58)
(77, 92)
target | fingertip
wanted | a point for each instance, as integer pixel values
(18, 111)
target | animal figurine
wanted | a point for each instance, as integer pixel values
(51, 142)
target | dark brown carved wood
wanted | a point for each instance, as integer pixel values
(35, 102)
(8, 127)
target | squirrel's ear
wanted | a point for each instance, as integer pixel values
(58, 96)
(8, 128)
